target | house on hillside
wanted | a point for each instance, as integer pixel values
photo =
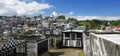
(117, 28)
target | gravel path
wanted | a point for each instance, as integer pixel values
(63, 52)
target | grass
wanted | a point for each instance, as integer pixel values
(82, 53)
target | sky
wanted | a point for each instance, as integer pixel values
(87, 7)
(80, 9)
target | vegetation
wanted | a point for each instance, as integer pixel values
(82, 53)
(96, 24)
(93, 24)
(72, 19)
(115, 23)
(61, 17)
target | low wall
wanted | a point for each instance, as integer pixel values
(37, 48)
(96, 45)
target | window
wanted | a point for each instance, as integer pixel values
(67, 34)
(79, 35)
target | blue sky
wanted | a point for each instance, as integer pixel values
(80, 9)
(85, 7)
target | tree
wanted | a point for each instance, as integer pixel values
(86, 23)
(115, 23)
(72, 19)
(61, 17)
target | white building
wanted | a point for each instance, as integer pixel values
(72, 38)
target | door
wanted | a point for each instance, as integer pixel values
(75, 39)
(73, 36)
(72, 41)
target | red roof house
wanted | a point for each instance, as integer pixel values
(117, 28)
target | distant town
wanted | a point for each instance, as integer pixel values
(36, 36)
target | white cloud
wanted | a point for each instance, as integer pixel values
(71, 13)
(17, 7)
(79, 17)
(54, 13)
(27, 1)
(97, 17)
